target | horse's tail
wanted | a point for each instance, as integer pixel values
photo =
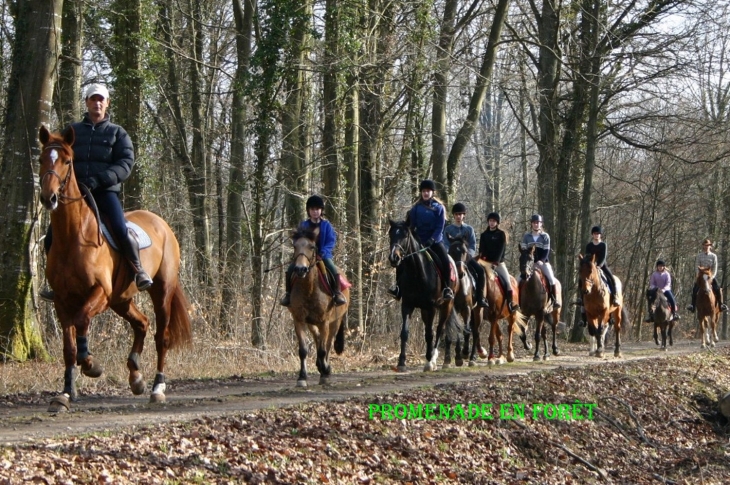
(454, 327)
(521, 323)
(179, 329)
(340, 338)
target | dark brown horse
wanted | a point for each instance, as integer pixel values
(312, 307)
(420, 286)
(598, 306)
(497, 310)
(88, 276)
(708, 312)
(662, 317)
(535, 301)
(464, 303)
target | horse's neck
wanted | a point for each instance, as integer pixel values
(74, 221)
(308, 284)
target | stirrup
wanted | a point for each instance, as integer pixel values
(394, 292)
(143, 281)
(448, 294)
(482, 303)
(285, 300)
(513, 307)
(676, 316)
(47, 295)
(339, 299)
(691, 308)
(723, 307)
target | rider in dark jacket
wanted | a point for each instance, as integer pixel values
(103, 159)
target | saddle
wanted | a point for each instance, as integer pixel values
(142, 237)
(452, 265)
(327, 279)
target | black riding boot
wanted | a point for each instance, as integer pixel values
(650, 313)
(695, 290)
(721, 300)
(286, 299)
(513, 307)
(554, 296)
(47, 293)
(130, 249)
(337, 295)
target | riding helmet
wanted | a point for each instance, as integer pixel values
(660, 262)
(597, 229)
(536, 218)
(427, 185)
(316, 202)
(495, 216)
(458, 208)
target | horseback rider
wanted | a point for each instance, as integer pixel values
(103, 159)
(541, 240)
(492, 246)
(459, 229)
(599, 248)
(707, 259)
(661, 280)
(427, 220)
(326, 240)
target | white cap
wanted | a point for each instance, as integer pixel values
(99, 89)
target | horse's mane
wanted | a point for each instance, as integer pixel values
(300, 232)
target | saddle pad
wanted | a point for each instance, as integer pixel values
(142, 236)
(325, 278)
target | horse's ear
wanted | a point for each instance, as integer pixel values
(69, 135)
(44, 135)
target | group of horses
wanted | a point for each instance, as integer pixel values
(89, 277)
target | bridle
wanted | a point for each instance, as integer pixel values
(592, 280)
(63, 198)
(311, 260)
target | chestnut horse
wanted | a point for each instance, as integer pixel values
(598, 306)
(88, 276)
(313, 307)
(464, 303)
(421, 287)
(535, 301)
(708, 313)
(497, 310)
(662, 317)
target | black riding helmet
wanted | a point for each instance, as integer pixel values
(536, 218)
(316, 202)
(660, 262)
(458, 208)
(495, 216)
(427, 185)
(597, 229)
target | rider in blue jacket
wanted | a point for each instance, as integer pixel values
(325, 245)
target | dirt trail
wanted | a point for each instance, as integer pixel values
(186, 400)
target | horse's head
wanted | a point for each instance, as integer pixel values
(401, 242)
(305, 251)
(527, 260)
(588, 273)
(459, 252)
(56, 167)
(704, 278)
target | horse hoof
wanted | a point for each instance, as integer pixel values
(324, 380)
(429, 367)
(545, 357)
(157, 398)
(459, 362)
(618, 355)
(482, 353)
(556, 352)
(536, 358)
(501, 361)
(510, 357)
(599, 355)
(472, 363)
(402, 368)
(664, 349)
(301, 383)
(59, 404)
(446, 366)
(95, 370)
(138, 386)
(491, 362)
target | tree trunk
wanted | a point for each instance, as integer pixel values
(68, 107)
(330, 95)
(35, 57)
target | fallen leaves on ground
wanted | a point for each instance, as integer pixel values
(643, 422)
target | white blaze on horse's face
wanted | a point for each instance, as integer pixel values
(54, 156)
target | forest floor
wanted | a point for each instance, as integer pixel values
(649, 417)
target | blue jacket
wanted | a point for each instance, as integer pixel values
(327, 236)
(428, 220)
(465, 231)
(103, 151)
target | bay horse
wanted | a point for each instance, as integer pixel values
(708, 313)
(421, 287)
(464, 302)
(313, 308)
(535, 301)
(88, 276)
(598, 307)
(662, 317)
(497, 310)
